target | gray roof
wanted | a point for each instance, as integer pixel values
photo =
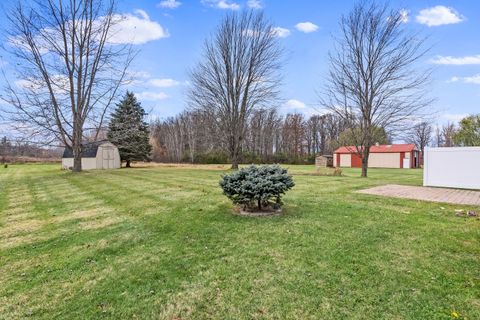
(89, 150)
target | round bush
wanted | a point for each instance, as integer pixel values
(257, 187)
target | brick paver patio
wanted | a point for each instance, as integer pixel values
(454, 196)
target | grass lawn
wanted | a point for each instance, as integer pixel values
(163, 243)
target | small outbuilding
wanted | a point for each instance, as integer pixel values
(324, 161)
(95, 155)
(404, 156)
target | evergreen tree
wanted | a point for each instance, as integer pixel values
(128, 130)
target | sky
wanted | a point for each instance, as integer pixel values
(169, 35)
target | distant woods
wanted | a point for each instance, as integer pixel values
(269, 138)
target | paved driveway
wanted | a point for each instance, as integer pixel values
(454, 196)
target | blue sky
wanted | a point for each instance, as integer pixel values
(169, 35)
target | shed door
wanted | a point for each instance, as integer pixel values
(107, 154)
(406, 163)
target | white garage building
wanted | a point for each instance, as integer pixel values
(456, 167)
(95, 155)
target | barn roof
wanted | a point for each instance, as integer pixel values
(384, 148)
(89, 149)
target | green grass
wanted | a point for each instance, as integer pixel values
(163, 243)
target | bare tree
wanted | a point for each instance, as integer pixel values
(260, 138)
(438, 137)
(421, 135)
(70, 71)
(447, 133)
(293, 136)
(238, 74)
(374, 80)
(189, 126)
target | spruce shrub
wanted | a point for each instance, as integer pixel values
(257, 187)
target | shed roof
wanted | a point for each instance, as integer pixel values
(384, 148)
(89, 149)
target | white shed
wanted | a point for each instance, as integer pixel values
(95, 155)
(456, 167)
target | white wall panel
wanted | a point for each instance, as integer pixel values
(452, 167)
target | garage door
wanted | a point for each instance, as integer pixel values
(345, 160)
(384, 160)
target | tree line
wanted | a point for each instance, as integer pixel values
(464, 134)
(11, 150)
(193, 136)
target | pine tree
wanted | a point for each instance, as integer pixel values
(128, 130)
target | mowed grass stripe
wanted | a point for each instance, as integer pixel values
(128, 193)
(46, 204)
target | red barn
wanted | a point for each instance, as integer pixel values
(381, 156)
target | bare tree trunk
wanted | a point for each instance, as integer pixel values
(127, 165)
(235, 157)
(365, 154)
(77, 147)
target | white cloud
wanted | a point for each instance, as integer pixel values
(60, 84)
(136, 77)
(281, 32)
(135, 29)
(295, 104)
(306, 27)
(254, 4)
(139, 74)
(169, 4)
(164, 83)
(42, 45)
(438, 15)
(222, 4)
(449, 60)
(454, 117)
(251, 33)
(26, 84)
(454, 79)
(473, 79)
(404, 15)
(152, 96)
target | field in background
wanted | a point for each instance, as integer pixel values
(161, 242)
(22, 160)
